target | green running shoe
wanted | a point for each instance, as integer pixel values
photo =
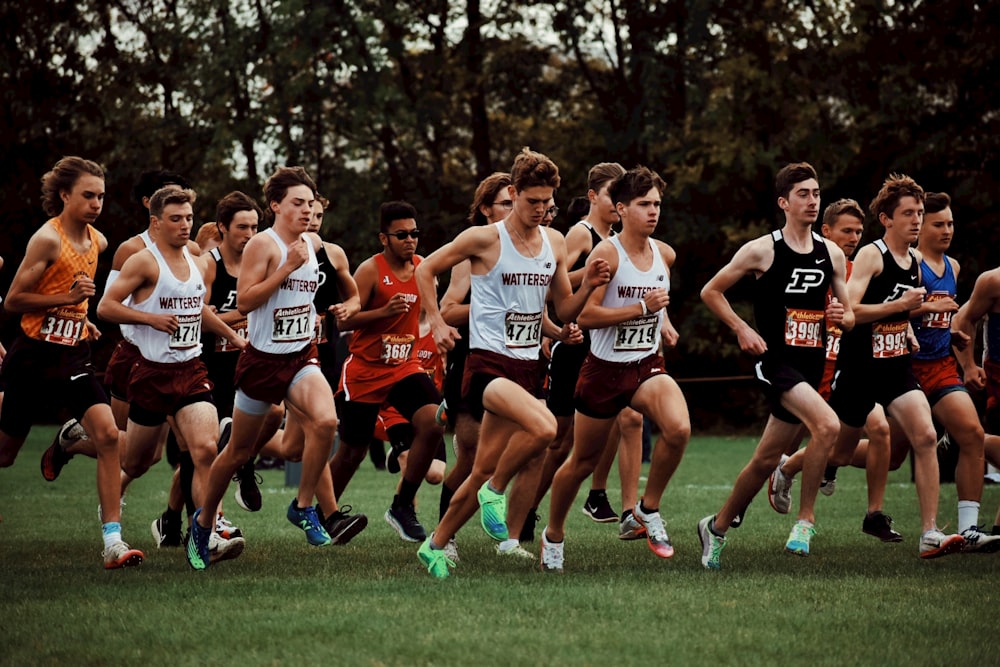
(798, 540)
(435, 560)
(711, 544)
(493, 512)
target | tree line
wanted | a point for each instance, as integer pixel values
(419, 100)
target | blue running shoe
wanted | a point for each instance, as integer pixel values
(197, 544)
(798, 540)
(307, 519)
(493, 512)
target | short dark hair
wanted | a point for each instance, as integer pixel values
(281, 180)
(166, 196)
(935, 202)
(532, 170)
(791, 174)
(603, 172)
(893, 189)
(232, 204)
(635, 183)
(394, 210)
(62, 177)
(842, 207)
(151, 181)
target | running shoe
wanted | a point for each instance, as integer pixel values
(451, 550)
(829, 483)
(934, 544)
(711, 544)
(247, 487)
(441, 416)
(551, 556)
(220, 548)
(493, 512)
(656, 532)
(629, 528)
(598, 508)
(392, 459)
(342, 526)
(528, 529)
(307, 519)
(403, 519)
(166, 532)
(879, 524)
(435, 560)
(120, 555)
(980, 542)
(798, 539)
(779, 489)
(198, 554)
(55, 457)
(513, 548)
(225, 528)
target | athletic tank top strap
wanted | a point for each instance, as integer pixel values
(933, 330)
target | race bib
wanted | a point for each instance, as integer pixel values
(396, 348)
(804, 328)
(889, 340)
(636, 334)
(64, 327)
(240, 327)
(937, 320)
(188, 332)
(292, 324)
(523, 329)
(833, 334)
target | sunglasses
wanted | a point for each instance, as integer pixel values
(402, 236)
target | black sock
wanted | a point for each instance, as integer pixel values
(446, 494)
(830, 472)
(172, 515)
(407, 492)
(644, 509)
(186, 479)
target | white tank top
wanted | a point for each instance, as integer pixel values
(128, 329)
(636, 338)
(183, 298)
(507, 303)
(284, 323)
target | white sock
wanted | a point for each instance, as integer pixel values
(508, 545)
(968, 514)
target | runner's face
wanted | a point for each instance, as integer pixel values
(601, 203)
(174, 226)
(402, 249)
(906, 219)
(295, 210)
(530, 204)
(642, 213)
(241, 229)
(938, 230)
(83, 203)
(802, 204)
(846, 233)
(317, 218)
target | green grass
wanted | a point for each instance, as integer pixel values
(854, 601)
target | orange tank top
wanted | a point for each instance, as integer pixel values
(63, 325)
(390, 340)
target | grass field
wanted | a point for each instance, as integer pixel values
(854, 601)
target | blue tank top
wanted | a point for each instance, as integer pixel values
(933, 330)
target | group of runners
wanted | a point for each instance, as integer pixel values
(543, 357)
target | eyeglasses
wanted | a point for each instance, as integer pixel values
(402, 236)
(551, 211)
(506, 203)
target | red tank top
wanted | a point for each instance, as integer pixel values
(390, 340)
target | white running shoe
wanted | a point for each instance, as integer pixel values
(551, 558)
(934, 544)
(219, 548)
(513, 548)
(779, 489)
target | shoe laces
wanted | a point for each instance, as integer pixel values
(654, 527)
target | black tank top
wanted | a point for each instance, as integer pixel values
(790, 300)
(223, 296)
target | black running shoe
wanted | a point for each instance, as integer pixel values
(598, 508)
(166, 532)
(403, 518)
(247, 489)
(342, 526)
(878, 524)
(528, 529)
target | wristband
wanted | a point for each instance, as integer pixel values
(645, 308)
